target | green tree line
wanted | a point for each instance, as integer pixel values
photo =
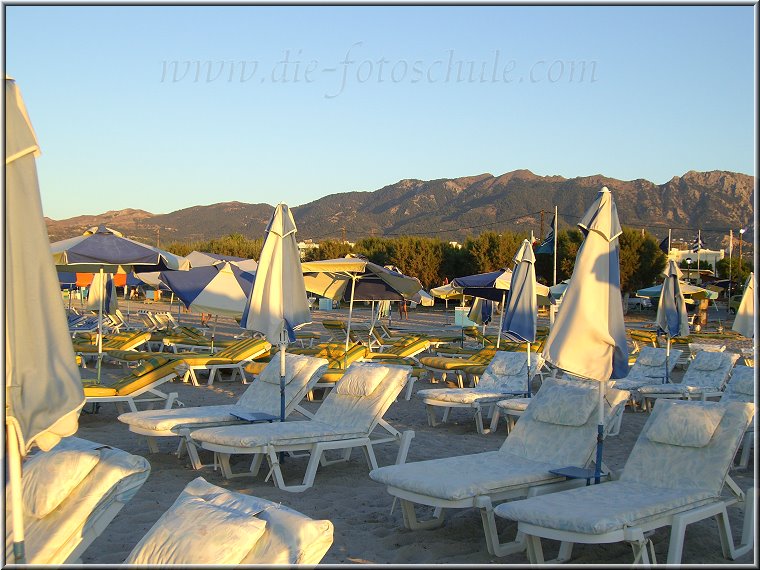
(432, 260)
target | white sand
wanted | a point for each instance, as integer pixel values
(365, 530)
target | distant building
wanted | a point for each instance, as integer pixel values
(306, 245)
(706, 257)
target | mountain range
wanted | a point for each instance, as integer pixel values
(452, 209)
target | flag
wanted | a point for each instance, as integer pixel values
(547, 246)
(664, 245)
(697, 244)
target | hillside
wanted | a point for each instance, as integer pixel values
(452, 209)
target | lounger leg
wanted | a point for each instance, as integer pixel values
(746, 446)
(408, 393)
(492, 536)
(170, 400)
(535, 552)
(479, 419)
(748, 529)
(211, 375)
(494, 419)
(445, 417)
(243, 377)
(256, 463)
(152, 444)
(432, 422)
(410, 518)
(403, 446)
(369, 456)
(565, 551)
(192, 449)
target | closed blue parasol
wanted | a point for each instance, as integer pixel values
(671, 310)
(521, 312)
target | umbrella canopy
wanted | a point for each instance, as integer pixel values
(67, 279)
(687, 290)
(588, 337)
(481, 311)
(521, 313)
(107, 249)
(104, 250)
(203, 259)
(744, 323)
(277, 303)
(220, 289)
(671, 310)
(491, 285)
(331, 278)
(520, 316)
(102, 295)
(423, 298)
(446, 292)
(43, 389)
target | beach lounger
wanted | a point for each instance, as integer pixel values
(445, 365)
(673, 477)
(506, 375)
(741, 388)
(143, 379)
(558, 430)
(233, 358)
(346, 419)
(705, 378)
(407, 348)
(261, 396)
(71, 493)
(648, 369)
(209, 526)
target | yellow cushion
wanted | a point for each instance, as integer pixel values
(244, 349)
(332, 376)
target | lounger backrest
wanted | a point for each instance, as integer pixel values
(244, 348)
(301, 373)
(149, 370)
(688, 444)
(710, 369)
(363, 395)
(650, 363)
(289, 538)
(410, 348)
(741, 385)
(559, 426)
(508, 371)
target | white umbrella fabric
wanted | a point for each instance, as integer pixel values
(102, 296)
(671, 310)
(520, 315)
(744, 323)
(278, 303)
(43, 388)
(588, 337)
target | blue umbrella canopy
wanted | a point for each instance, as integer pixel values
(671, 310)
(492, 285)
(521, 312)
(220, 289)
(107, 249)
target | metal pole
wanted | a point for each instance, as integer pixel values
(17, 508)
(528, 369)
(600, 435)
(100, 323)
(667, 358)
(730, 262)
(282, 376)
(556, 227)
(501, 318)
(699, 246)
(350, 313)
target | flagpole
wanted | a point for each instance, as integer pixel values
(730, 262)
(556, 226)
(699, 246)
(668, 252)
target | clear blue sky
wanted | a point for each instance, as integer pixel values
(161, 108)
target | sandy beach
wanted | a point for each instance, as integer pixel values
(366, 532)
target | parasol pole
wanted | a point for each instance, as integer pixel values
(666, 380)
(350, 313)
(528, 369)
(100, 322)
(556, 227)
(283, 344)
(213, 333)
(599, 434)
(501, 318)
(17, 509)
